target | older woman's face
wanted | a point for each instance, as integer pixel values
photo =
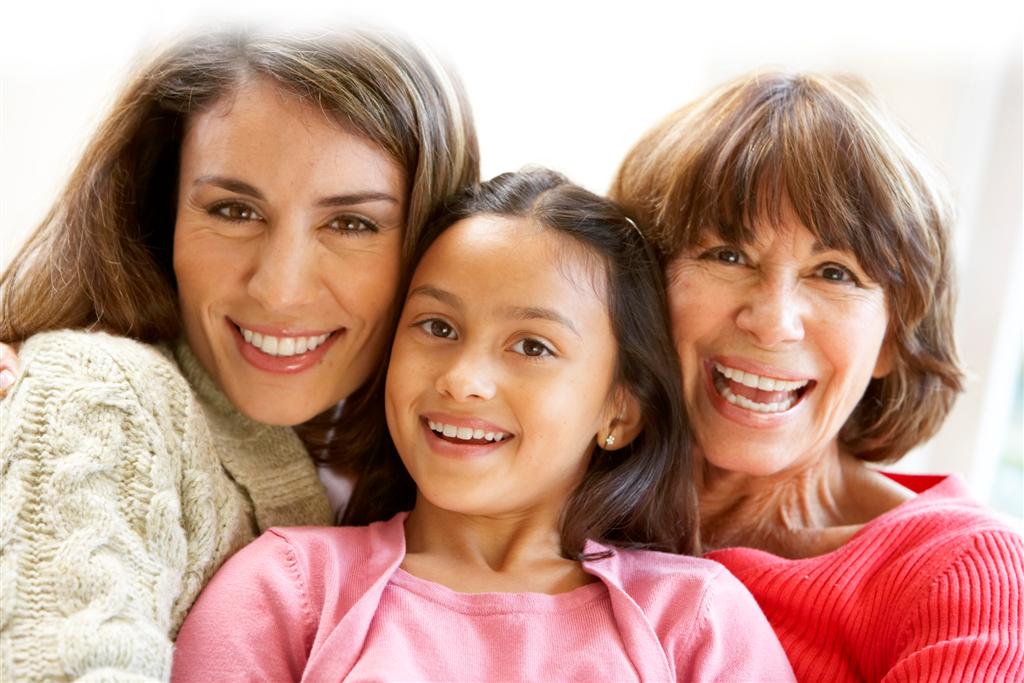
(286, 252)
(778, 341)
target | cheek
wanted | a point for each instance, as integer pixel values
(855, 336)
(203, 267)
(366, 284)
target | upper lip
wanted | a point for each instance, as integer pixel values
(284, 331)
(760, 369)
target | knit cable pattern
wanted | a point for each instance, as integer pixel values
(116, 507)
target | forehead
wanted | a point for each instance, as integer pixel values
(514, 261)
(271, 137)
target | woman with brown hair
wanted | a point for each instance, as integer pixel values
(225, 258)
(805, 242)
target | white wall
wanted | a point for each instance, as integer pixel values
(572, 85)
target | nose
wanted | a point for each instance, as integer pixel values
(773, 312)
(285, 276)
(468, 376)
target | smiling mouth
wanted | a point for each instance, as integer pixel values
(283, 346)
(757, 393)
(465, 435)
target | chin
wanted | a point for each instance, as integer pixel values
(279, 411)
(752, 461)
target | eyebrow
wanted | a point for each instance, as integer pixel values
(441, 295)
(537, 313)
(242, 187)
(515, 312)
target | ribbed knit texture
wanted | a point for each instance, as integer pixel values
(929, 591)
(127, 479)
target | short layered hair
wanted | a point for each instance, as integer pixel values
(734, 158)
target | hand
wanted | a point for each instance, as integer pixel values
(10, 368)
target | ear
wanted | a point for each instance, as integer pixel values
(886, 360)
(622, 420)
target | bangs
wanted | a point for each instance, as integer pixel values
(778, 148)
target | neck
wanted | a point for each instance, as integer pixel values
(478, 553)
(802, 512)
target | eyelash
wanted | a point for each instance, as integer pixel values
(545, 349)
(427, 326)
(368, 225)
(221, 209)
(716, 254)
(847, 273)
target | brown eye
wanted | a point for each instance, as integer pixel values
(235, 211)
(352, 224)
(834, 272)
(437, 327)
(724, 254)
(532, 348)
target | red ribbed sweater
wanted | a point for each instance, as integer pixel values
(929, 591)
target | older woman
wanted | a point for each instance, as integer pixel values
(806, 248)
(257, 197)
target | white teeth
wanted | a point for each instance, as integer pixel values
(744, 402)
(757, 382)
(464, 433)
(282, 346)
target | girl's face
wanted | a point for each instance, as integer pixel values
(502, 369)
(286, 252)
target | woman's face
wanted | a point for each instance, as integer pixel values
(501, 370)
(778, 341)
(286, 252)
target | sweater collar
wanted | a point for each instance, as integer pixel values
(200, 380)
(269, 463)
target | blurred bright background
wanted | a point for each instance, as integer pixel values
(572, 85)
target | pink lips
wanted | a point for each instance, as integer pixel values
(281, 364)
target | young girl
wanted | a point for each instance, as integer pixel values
(532, 397)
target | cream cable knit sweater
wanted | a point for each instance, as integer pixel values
(127, 479)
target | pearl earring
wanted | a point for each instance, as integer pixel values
(609, 441)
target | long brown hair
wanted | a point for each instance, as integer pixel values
(641, 495)
(856, 181)
(101, 259)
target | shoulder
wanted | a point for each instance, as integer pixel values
(318, 545)
(370, 551)
(941, 527)
(68, 356)
(706, 620)
(68, 370)
(641, 567)
(963, 571)
(662, 581)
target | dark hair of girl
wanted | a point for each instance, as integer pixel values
(642, 495)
